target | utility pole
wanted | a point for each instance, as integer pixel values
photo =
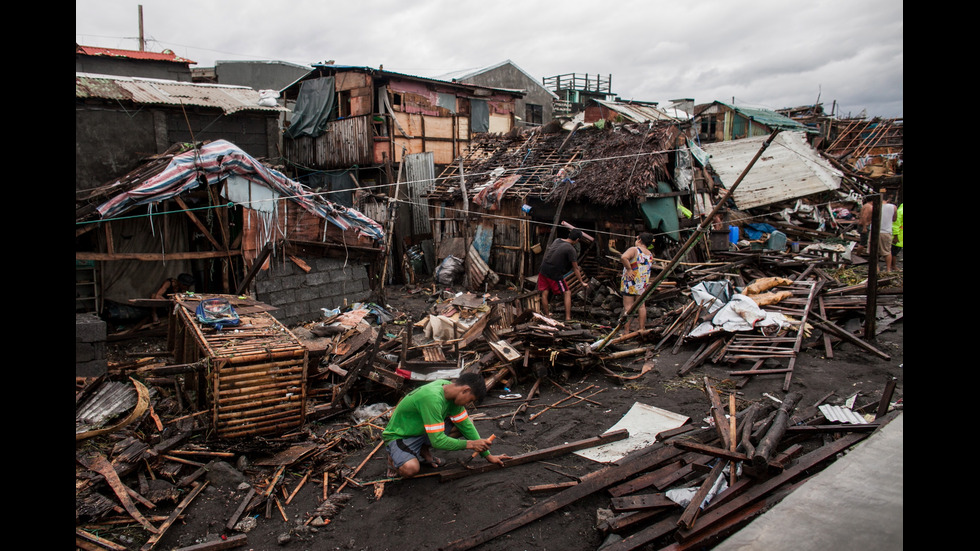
(142, 42)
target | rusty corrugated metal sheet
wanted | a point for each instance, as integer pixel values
(166, 55)
(636, 112)
(345, 142)
(148, 91)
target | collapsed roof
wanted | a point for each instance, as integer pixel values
(222, 161)
(790, 168)
(603, 166)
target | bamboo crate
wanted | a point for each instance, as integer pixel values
(256, 375)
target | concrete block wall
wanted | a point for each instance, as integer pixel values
(299, 296)
(90, 346)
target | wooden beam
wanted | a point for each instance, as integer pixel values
(639, 502)
(636, 462)
(197, 222)
(715, 515)
(710, 450)
(547, 453)
(153, 257)
(179, 510)
(229, 542)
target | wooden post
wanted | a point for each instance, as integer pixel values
(886, 398)
(768, 444)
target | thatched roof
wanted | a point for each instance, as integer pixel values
(608, 166)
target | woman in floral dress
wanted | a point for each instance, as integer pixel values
(637, 261)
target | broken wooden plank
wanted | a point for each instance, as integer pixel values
(230, 525)
(637, 462)
(228, 542)
(826, 325)
(817, 429)
(98, 543)
(151, 543)
(694, 508)
(547, 453)
(639, 502)
(710, 450)
(715, 515)
(654, 478)
(101, 465)
(647, 535)
(629, 520)
(718, 413)
(539, 488)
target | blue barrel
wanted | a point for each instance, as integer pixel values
(733, 234)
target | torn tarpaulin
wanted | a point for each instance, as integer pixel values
(215, 162)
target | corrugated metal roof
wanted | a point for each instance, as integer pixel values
(841, 414)
(464, 74)
(788, 169)
(148, 91)
(771, 119)
(637, 112)
(166, 55)
(390, 74)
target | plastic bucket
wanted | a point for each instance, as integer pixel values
(733, 234)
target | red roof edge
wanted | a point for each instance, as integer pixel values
(166, 55)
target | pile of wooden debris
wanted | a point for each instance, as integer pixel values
(155, 421)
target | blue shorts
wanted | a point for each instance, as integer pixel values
(404, 449)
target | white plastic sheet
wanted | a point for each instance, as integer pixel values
(643, 422)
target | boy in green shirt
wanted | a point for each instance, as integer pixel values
(422, 418)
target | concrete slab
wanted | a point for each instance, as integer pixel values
(855, 504)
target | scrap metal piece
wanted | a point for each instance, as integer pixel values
(842, 415)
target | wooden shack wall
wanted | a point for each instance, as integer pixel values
(511, 234)
(296, 224)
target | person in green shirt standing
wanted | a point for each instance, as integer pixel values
(898, 230)
(423, 419)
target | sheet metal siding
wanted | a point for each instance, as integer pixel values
(229, 99)
(788, 169)
(420, 174)
(637, 113)
(346, 142)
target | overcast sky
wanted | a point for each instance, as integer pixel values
(847, 54)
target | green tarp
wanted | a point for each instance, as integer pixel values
(661, 214)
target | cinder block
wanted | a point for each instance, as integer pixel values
(90, 346)
(307, 294)
(89, 328)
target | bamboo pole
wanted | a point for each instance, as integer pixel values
(702, 227)
(369, 456)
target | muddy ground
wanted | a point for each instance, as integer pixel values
(426, 514)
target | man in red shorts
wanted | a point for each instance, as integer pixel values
(560, 257)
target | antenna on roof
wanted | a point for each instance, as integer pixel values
(142, 42)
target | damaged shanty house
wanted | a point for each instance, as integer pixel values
(374, 140)
(501, 205)
(210, 209)
(869, 151)
(284, 237)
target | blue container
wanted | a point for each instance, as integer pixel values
(733, 234)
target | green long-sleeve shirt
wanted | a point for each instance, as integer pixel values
(424, 411)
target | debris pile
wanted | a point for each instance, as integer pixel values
(695, 486)
(152, 434)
